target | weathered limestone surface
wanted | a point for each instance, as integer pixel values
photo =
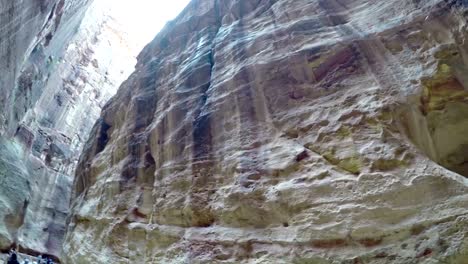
(284, 131)
(59, 66)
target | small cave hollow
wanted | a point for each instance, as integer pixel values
(103, 137)
(436, 121)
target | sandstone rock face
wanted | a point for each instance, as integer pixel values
(284, 131)
(57, 73)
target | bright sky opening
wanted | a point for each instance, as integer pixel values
(143, 19)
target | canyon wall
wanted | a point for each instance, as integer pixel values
(284, 131)
(60, 64)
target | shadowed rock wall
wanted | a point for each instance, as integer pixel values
(59, 65)
(33, 34)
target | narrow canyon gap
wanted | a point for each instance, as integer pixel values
(250, 131)
(61, 61)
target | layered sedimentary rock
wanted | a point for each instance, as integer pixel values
(57, 73)
(284, 131)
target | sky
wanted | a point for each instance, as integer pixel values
(143, 19)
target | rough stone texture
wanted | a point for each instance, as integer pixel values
(284, 131)
(14, 186)
(59, 66)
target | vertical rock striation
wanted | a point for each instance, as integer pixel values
(284, 131)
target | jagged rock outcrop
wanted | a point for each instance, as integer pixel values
(60, 64)
(284, 131)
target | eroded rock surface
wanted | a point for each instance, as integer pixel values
(284, 131)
